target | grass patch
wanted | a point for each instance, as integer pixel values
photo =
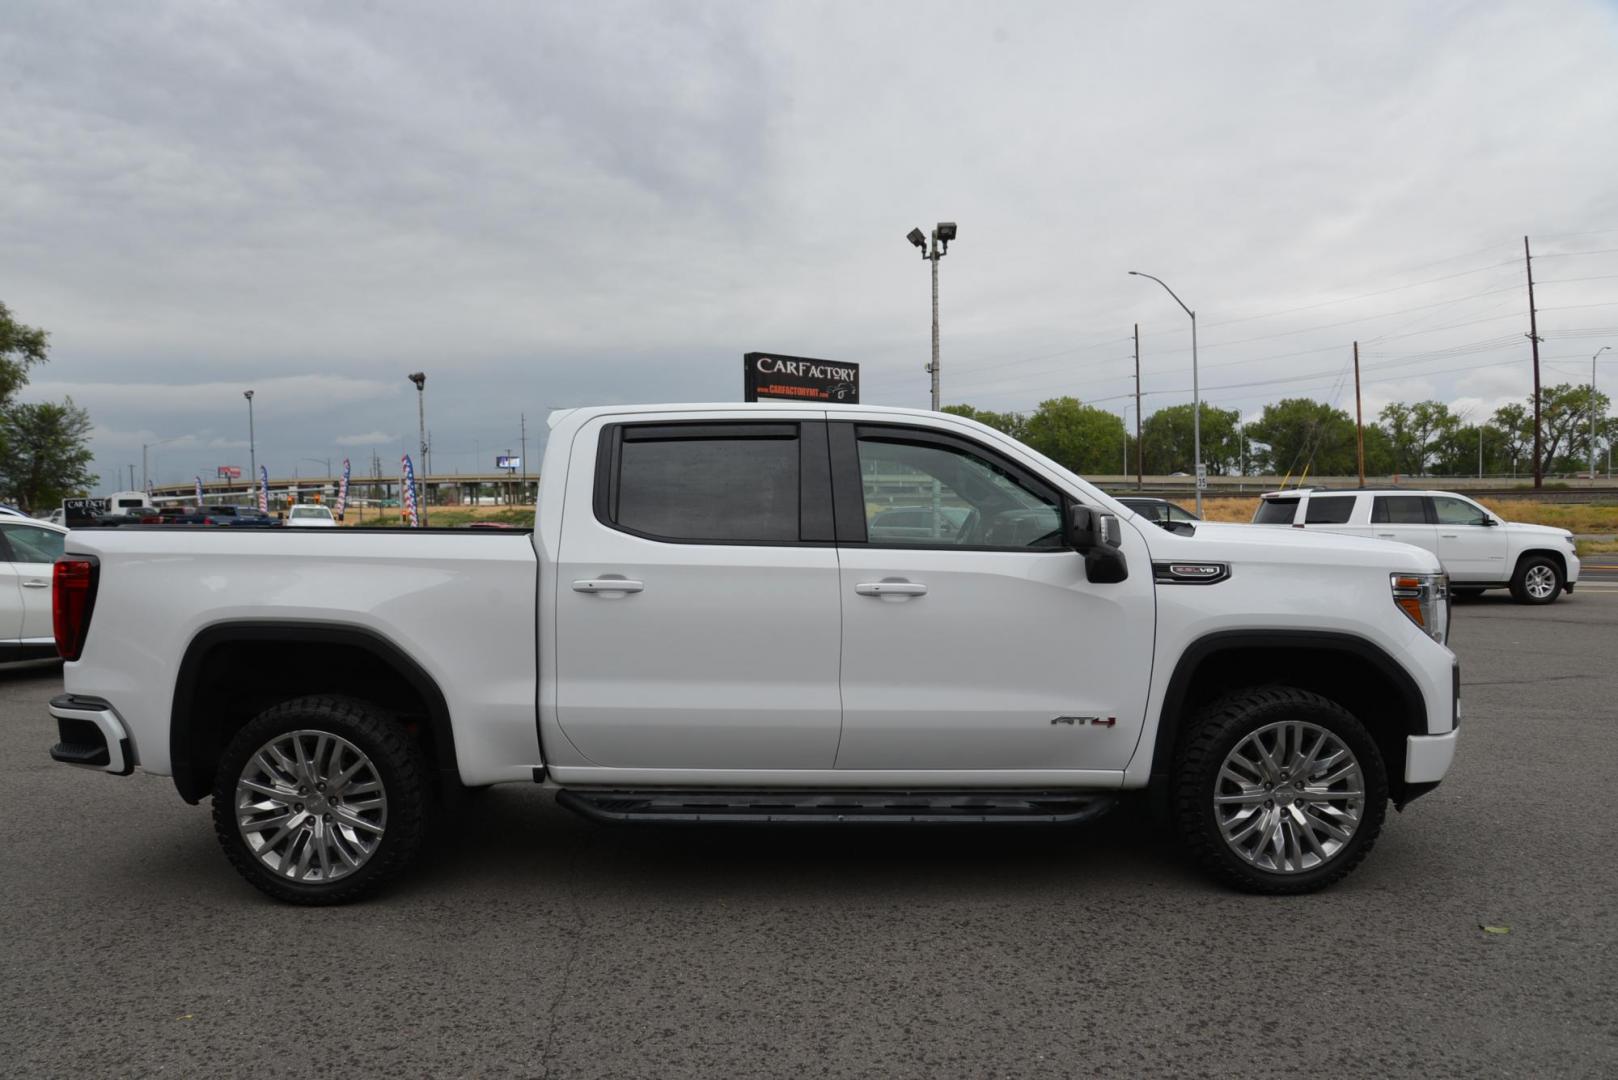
(446, 516)
(1575, 517)
(1598, 547)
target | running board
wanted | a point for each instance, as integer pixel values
(671, 806)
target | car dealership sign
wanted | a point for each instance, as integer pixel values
(798, 378)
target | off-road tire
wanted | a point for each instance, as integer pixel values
(1216, 732)
(398, 763)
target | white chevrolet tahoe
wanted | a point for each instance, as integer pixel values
(1479, 549)
(716, 619)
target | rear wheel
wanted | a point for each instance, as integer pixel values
(1538, 580)
(319, 800)
(1279, 790)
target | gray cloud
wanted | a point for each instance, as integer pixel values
(553, 205)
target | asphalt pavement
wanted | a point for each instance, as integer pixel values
(535, 944)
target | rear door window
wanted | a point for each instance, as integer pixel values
(1400, 510)
(1329, 510)
(1276, 512)
(31, 544)
(715, 482)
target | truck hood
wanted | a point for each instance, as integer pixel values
(1522, 528)
(1220, 542)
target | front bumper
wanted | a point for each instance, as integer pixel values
(92, 736)
(1428, 757)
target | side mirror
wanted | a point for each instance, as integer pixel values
(1098, 537)
(1486, 520)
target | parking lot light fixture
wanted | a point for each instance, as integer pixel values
(943, 233)
(420, 379)
(252, 447)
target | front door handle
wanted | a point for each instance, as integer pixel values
(36, 584)
(1449, 536)
(891, 588)
(1385, 536)
(607, 585)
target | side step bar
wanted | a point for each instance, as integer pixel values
(674, 806)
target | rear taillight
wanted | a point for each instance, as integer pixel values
(73, 597)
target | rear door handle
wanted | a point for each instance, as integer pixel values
(606, 585)
(891, 588)
(1385, 536)
(1449, 536)
(36, 584)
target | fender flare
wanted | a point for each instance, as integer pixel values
(1170, 718)
(186, 769)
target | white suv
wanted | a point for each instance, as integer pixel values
(1479, 549)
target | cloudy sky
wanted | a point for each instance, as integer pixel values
(554, 204)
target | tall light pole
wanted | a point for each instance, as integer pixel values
(420, 379)
(1196, 393)
(145, 480)
(1598, 352)
(942, 235)
(252, 446)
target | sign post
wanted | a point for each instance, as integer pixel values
(774, 376)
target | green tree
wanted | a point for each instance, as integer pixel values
(1078, 436)
(21, 347)
(1565, 425)
(1299, 435)
(1515, 423)
(1011, 423)
(44, 449)
(1417, 433)
(48, 454)
(1170, 444)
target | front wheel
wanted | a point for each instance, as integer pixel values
(1538, 580)
(1279, 790)
(320, 800)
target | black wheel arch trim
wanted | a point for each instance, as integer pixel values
(193, 787)
(1170, 717)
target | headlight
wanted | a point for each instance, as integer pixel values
(1424, 598)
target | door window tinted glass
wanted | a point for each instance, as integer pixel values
(33, 545)
(1399, 510)
(1276, 512)
(723, 489)
(1329, 510)
(1453, 511)
(928, 494)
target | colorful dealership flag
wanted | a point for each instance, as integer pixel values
(264, 489)
(407, 491)
(199, 493)
(342, 490)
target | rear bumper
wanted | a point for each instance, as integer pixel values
(1428, 757)
(91, 735)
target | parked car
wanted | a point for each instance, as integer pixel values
(920, 522)
(57, 517)
(704, 626)
(310, 515)
(1160, 511)
(11, 511)
(28, 548)
(1478, 548)
(239, 517)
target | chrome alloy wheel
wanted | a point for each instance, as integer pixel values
(311, 806)
(1539, 581)
(1289, 797)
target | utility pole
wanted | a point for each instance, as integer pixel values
(1533, 337)
(523, 420)
(1359, 415)
(1140, 449)
(1598, 352)
(943, 233)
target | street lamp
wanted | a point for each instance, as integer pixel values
(1196, 393)
(1598, 352)
(420, 379)
(942, 235)
(252, 448)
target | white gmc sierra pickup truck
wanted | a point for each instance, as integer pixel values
(767, 613)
